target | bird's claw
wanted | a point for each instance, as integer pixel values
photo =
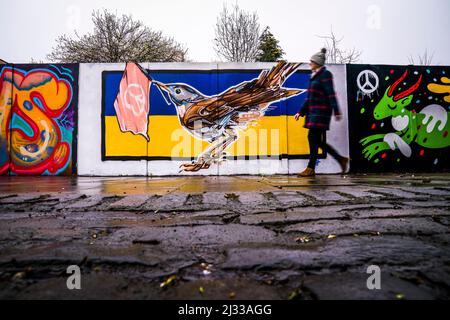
(195, 167)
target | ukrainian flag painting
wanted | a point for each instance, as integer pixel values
(276, 135)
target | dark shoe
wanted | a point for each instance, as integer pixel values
(308, 172)
(344, 164)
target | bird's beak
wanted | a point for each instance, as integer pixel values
(161, 86)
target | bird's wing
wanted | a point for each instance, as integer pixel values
(262, 90)
(277, 75)
(199, 112)
(209, 111)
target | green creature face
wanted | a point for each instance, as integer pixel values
(389, 107)
(394, 103)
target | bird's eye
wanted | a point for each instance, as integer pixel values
(177, 91)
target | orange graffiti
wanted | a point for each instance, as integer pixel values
(38, 97)
(441, 88)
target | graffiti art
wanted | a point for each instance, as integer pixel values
(404, 124)
(221, 110)
(37, 118)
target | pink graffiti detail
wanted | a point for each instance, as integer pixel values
(132, 102)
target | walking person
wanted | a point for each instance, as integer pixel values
(318, 108)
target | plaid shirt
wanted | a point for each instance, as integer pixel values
(321, 101)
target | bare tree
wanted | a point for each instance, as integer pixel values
(117, 39)
(335, 54)
(237, 35)
(422, 60)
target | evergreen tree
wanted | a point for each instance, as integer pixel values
(269, 49)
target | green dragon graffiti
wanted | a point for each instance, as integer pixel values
(429, 128)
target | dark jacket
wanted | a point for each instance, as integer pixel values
(320, 102)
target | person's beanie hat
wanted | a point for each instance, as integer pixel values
(319, 57)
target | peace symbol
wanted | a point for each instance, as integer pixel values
(367, 81)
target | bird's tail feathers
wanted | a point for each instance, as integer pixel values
(278, 74)
(285, 93)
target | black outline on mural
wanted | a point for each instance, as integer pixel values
(75, 67)
(413, 164)
(147, 158)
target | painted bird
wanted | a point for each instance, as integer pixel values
(218, 119)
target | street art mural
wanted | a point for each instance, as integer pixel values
(399, 118)
(38, 119)
(203, 117)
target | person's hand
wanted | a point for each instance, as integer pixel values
(338, 117)
(297, 116)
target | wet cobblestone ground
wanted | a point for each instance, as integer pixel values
(226, 237)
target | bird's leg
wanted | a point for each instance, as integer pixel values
(204, 159)
(230, 138)
(212, 154)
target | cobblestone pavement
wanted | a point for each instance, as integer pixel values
(226, 237)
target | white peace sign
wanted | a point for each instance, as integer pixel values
(367, 81)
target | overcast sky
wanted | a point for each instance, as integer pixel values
(386, 31)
